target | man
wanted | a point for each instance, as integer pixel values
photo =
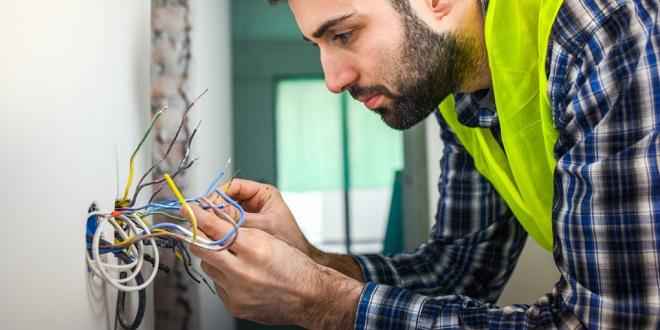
(550, 123)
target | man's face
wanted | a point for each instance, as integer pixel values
(384, 56)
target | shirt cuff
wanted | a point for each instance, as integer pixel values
(376, 268)
(386, 307)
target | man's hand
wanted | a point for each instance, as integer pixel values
(266, 280)
(266, 210)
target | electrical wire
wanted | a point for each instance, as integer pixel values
(121, 299)
(215, 181)
(136, 236)
(176, 135)
(186, 206)
(131, 168)
(184, 164)
(102, 269)
(134, 242)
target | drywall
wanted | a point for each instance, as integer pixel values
(74, 88)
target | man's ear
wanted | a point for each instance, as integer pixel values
(440, 8)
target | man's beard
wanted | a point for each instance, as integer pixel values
(431, 67)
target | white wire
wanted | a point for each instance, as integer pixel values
(201, 241)
(99, 267)
(112, 280)
(188, 233)
(96, 263)
(136, 265)
(134, 250)
(136, 227)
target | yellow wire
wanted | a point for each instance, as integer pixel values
(131, 172)
(177, 193)
(133, 236)
(131, 167)
(217, 197)
(178, 255)
(228, 186)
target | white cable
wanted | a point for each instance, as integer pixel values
(100, 268)
(134, 250)
(106, 275)
(136, 265)
(136, 227)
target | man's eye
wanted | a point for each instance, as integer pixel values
(343, 37)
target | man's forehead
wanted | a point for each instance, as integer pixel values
(310, 14)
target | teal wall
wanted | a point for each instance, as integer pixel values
(266, 44)
(256, 68)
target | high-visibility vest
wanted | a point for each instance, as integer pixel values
(517, 36)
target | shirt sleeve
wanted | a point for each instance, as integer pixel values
(605, 92)
(474, 244)
(607, 181)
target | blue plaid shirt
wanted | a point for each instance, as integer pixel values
(604, 87)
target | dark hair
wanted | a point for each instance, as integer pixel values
(398, 4)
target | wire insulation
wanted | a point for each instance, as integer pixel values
(184, 203)
(131, 167)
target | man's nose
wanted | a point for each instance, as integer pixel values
(339, 74)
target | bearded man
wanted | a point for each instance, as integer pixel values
(549, 112)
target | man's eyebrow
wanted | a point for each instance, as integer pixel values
(321, 30)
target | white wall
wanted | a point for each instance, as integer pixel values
(211, 63)
(535, 274)
(73, 86)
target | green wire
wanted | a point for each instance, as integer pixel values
(132, 165)
(151, 126)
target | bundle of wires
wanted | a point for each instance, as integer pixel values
(132, 233)
(134, 242)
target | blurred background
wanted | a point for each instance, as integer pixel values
(80, 81)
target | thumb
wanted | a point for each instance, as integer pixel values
(257, 220)
(214, 227)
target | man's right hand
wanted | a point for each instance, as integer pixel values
(266, 210)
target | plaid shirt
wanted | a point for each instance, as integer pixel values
(604, 87)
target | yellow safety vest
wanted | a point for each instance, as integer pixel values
(517, 36)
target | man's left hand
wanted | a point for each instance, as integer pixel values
(264, 279)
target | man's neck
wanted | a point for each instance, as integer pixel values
(482, 79)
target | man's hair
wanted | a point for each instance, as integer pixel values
(398, 4)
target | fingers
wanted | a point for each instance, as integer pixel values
(241, 190)
(250, 194)
(208, 222)
(237, 189)
(229, 214)
(256, 220)
(214, 227)
(215, 257)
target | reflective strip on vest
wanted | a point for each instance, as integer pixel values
(517, 36)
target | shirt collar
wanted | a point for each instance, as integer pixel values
(479, 107)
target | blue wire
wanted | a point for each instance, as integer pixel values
(175, 205)
(168, 204)
(214, 183)
(240, 220)
(164, 225)
(228, 235)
